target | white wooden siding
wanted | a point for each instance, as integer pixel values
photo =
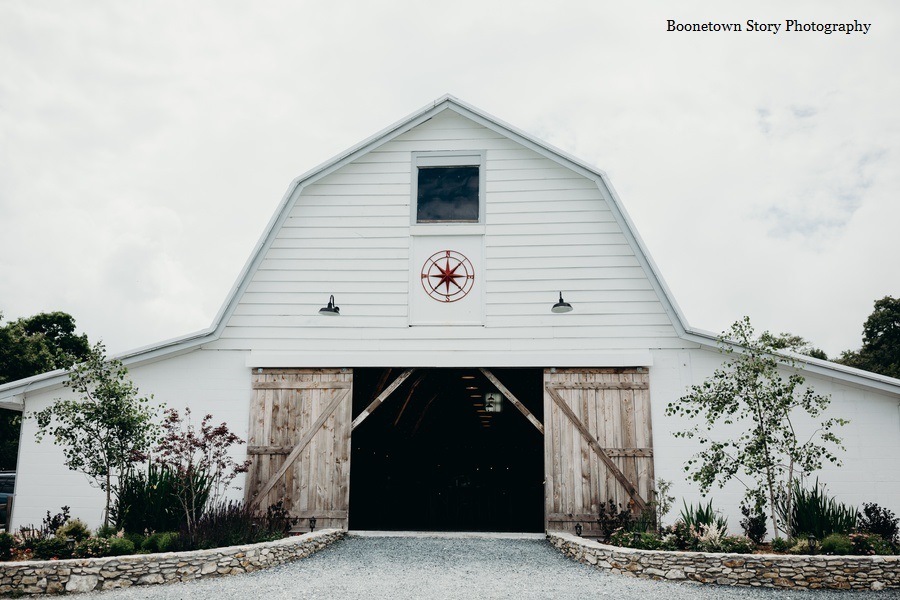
(547, 228)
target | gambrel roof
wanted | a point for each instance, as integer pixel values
(11, 394)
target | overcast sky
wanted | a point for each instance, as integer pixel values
(145, 145)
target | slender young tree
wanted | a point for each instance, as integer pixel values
(757, 394)
(106, 428)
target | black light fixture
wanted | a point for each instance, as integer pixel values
(312, 524)
(811, 540)
(578, 529)
(330, 310)
(562, 306)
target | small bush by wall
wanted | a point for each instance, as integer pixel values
(756, 570)
(86, 575)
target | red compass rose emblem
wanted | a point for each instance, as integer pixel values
(448, 276)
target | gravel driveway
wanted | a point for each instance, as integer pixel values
(453, 566)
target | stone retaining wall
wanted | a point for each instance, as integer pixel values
(757, 570)
(88, 574)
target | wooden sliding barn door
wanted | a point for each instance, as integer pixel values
(597, 443)
(299, 443)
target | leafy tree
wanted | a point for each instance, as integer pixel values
(106, 429)
(39, 344)
(795, 343)
(750, 393)
(880, 352)
(31, 346)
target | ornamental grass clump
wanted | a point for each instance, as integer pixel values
(695, 516)
(149, 500)
(813, 512)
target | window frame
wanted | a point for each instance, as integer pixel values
(458, 158)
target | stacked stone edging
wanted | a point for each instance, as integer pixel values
(756, 570)
(89, 574)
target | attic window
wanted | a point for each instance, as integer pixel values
(448, 188)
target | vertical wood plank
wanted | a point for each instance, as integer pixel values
(598, 489)
(294, 414)
(549, 457)
(586, 480)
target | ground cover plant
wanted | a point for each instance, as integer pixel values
(227, 524)
(821, 526)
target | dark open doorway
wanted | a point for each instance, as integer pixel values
(435, 456)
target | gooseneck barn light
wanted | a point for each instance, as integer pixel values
(562, 306)
(332, 310)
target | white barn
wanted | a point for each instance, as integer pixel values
(446, 394)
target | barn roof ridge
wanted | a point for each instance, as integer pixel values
(183, 344)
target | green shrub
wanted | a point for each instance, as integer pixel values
(646, 540)
(612, 517)
(780, 544)
(801, 546)
(278, 519)
(7, 541)
(754, 524)
(869, 544)
(680, 536)
(74, 528)
(737, 544)
(875, 519)
(92, 547)
(106, 531)
(49, 548)
(836, 543)
(702, 515)
(120, 546)
(53, 522)
(813, 511)
(163, 541)
(649, 540)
